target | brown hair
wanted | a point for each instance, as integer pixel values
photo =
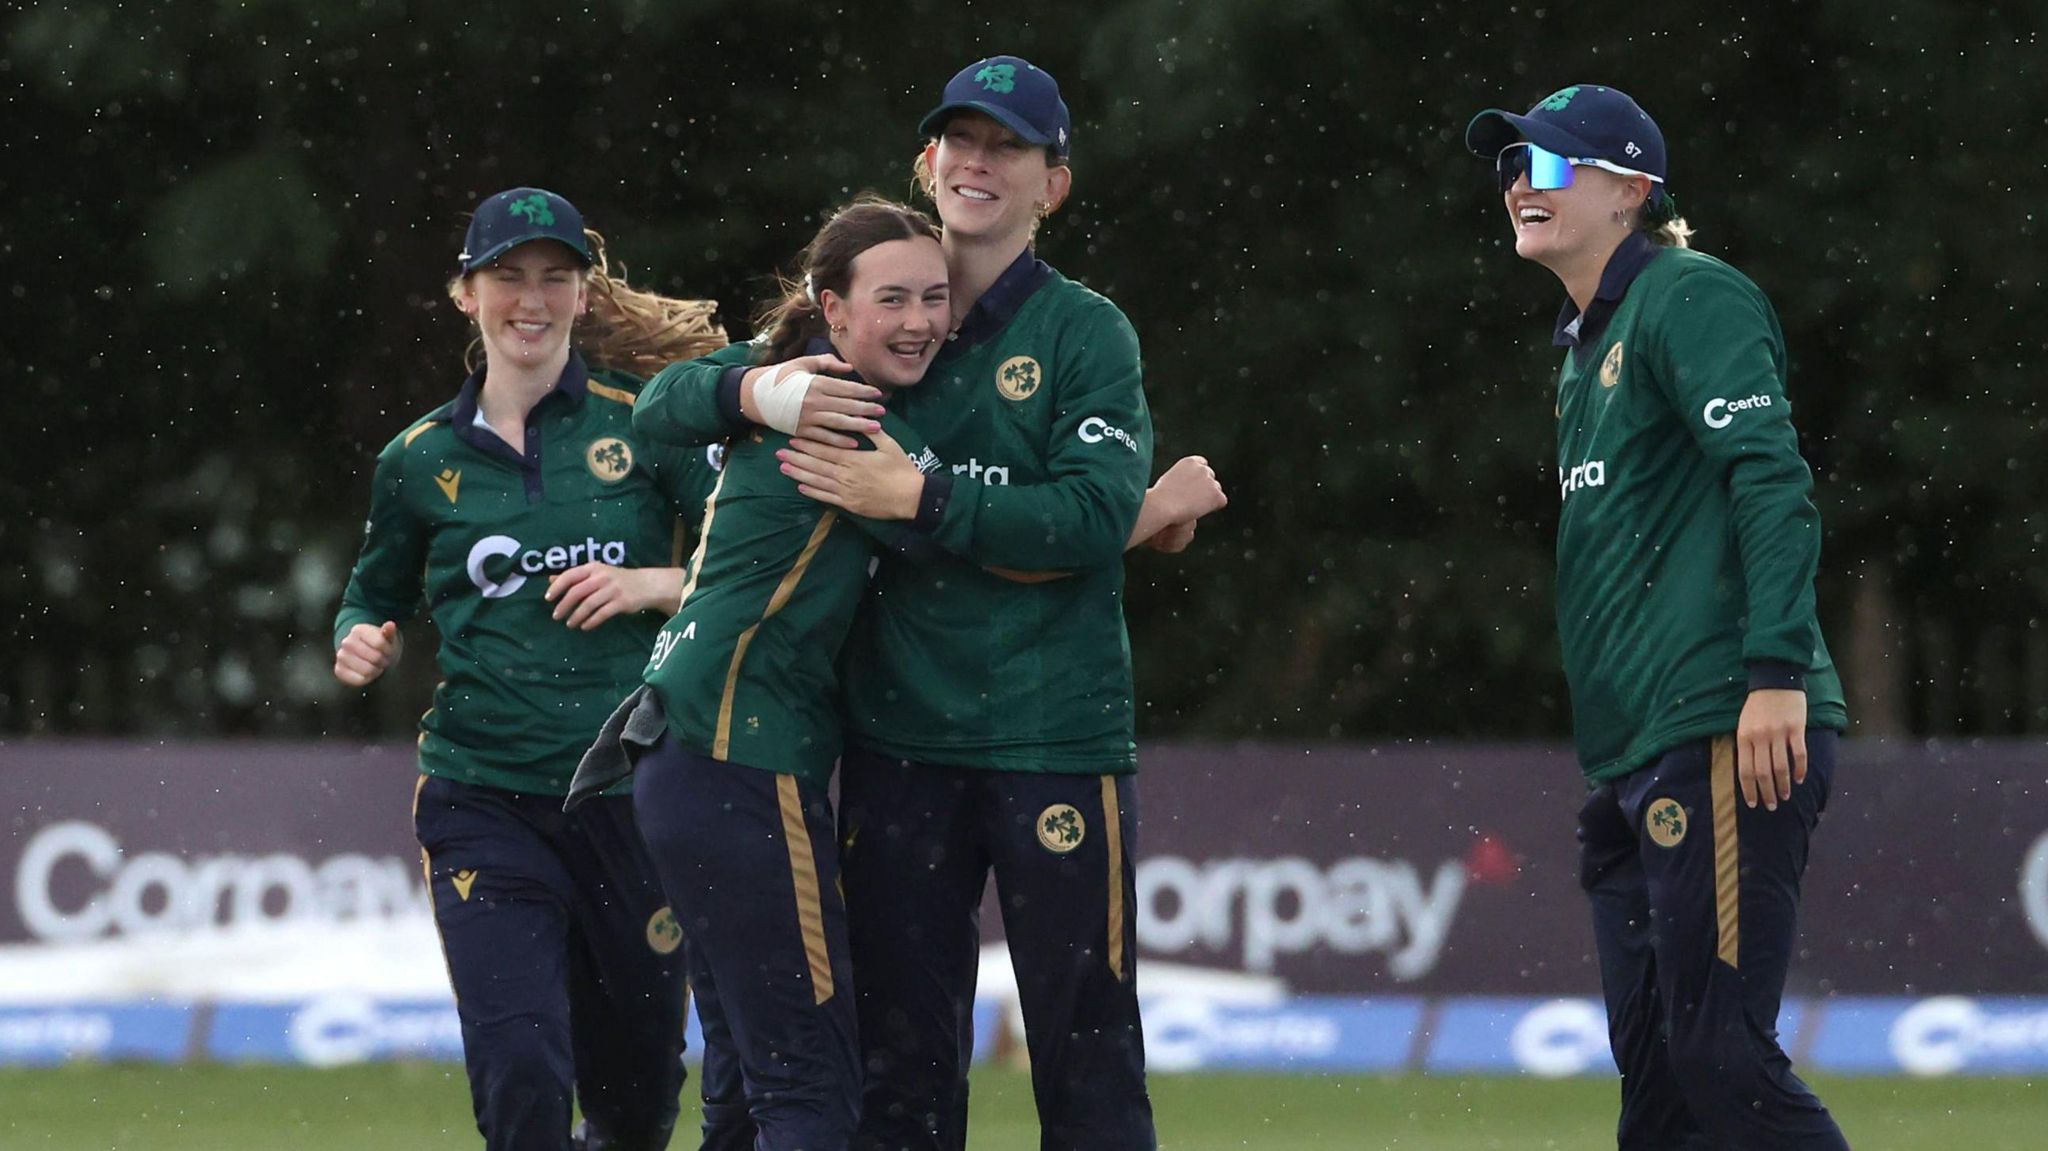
(1657, 217)
(826, 263)
(628, 329)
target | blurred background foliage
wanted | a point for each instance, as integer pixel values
(228, 224)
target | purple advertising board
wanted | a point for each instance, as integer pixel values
(1408, 870)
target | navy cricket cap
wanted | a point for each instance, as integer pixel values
(1019, 96)
(514, 217)
(1582, 122)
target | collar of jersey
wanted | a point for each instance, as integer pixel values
(1627, 262)
(573, 386)
(999, 305)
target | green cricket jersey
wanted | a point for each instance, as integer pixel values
(1688, 541)
(747, 669)
(959, 657)
(460, 520)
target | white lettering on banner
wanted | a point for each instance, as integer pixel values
(535, 561)
(1357, 906)
(1095, 429)
(155, 891)
(1942, 1036)
(350, 1029)
(1724, 407)
(1560, 1038)
(1187, 1034)
(74, 1033)
(2034, 888)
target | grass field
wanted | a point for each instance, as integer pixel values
(425, 1107)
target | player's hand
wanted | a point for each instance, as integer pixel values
(367, 652)
(1166, 520)
(1770, 746)
(587, 595)
(833, 409)
(881, 485)
(1188, 491)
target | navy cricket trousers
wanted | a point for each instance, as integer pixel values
(566, 962)
(1695, 906)
(918, 844)
(748, 857)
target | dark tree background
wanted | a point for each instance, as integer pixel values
(228, 223)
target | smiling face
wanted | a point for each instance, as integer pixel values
(525, 302)
(895, 312)
(1563, 227)
(990, 182)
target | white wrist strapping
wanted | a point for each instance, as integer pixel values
(779, 397)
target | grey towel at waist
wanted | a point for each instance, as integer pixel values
(634, 726)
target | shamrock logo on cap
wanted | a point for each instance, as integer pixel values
(535, 209)
(998, 77)
(1560, 99)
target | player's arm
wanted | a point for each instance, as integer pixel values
(686, 405)
(590, 594)
(885, 506)
(1188, 491)
(1098, 459)
(1098, 456)
(881, 489)
(386, 583)
(725, 393)
(1722, 366)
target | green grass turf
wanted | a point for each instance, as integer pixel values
(425, 1107)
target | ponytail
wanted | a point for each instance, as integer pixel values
(641, 332)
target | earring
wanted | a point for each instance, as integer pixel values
(1041, 209)
(837, 329)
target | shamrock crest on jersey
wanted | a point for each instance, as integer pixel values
(1018, 378)
(1610, 368)
(609, 459)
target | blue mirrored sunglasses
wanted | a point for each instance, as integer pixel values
(1549, 171)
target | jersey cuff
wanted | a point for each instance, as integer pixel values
(729, 398)
(931, 504)
(1776, 675)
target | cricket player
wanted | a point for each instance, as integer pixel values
(1704, 704)
(988, 699)
(542, 536)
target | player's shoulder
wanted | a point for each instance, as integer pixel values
(1073, 300)
(610, 385)
(1086, 322)
(1698, 271)
(427, 433)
